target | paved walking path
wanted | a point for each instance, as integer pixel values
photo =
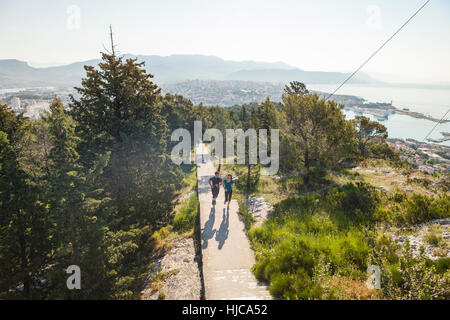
(226, 253)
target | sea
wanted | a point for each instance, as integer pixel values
(431, 102)
(15, 90)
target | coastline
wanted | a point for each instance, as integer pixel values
(401, 121)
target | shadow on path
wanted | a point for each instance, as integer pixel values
(208, 232)
(222, 234)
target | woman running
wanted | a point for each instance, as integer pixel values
(228, 184)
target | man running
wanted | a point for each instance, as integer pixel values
(215, 183)
(228, 184)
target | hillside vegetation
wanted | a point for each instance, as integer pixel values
(92, 184)
(331, 223)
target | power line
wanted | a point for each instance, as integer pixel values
(440, 121)
(378, 50)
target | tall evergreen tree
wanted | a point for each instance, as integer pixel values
(65, 180)
(315, 132)
(266, 116)
(25, 243)
(79, 213)
(368, 132)
(119, 112)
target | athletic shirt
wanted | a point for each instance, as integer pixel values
(215, 181)
(228, 185)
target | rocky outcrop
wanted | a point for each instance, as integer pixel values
(417, 237)
(176, 275)
(259, 208)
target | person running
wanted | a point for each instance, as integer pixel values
(228, 184)
(215, 183)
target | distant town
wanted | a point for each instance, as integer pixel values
(225, 93)
(32, 102)
(429, 157)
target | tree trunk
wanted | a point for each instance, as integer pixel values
(248, 178)
(74, 240)
(306, 178)
(27, 278)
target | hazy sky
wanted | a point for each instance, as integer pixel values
(327, 35)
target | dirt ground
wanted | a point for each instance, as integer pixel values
(176, 275)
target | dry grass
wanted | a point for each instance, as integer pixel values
(389, 178)
(345, 288)
(157, 281)
(269, 188)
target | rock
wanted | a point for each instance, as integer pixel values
(186, 196)
(442, 222)
(348, 164)
(416, 236)
(259, 208)
(182, 280)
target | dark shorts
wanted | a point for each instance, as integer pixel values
(215, 192)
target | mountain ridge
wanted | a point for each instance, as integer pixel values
(170, 69)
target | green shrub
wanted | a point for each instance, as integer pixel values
(383, 151)
(160, 234)
(399, 197)
(434, 236)
(289, 244)
(412, 278)
(294, 286)
(246, 184)
(291, 184)
(358, 201)
(185, 219)
(420, 208)
(303, 204)
(338, 229)
(289, 269)
(442, 265)
(416, 209)
(288, 257)
(247, 217)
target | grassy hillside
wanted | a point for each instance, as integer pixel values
(321, 238)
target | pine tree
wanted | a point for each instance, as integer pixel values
(368, 132)
(80, 234)
(315, 132)
(25, 243)
(266, 116)
(119, 113)
(250, 121)
(65, 179)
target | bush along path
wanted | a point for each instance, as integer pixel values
(226, 253)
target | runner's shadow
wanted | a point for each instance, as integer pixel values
(222, 234)
(208, 232)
